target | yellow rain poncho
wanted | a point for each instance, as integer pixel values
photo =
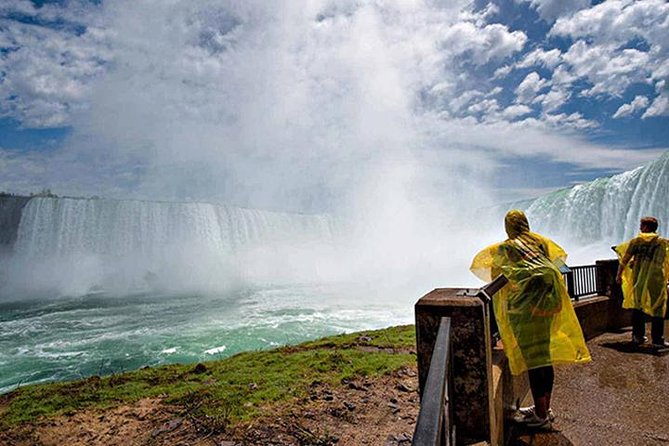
(535, 316)
(646, 273)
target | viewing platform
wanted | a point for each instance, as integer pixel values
(621, 397)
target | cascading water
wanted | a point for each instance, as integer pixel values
(75, 245)
(606, 210)
(62, 226)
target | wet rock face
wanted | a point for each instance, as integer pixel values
(11, 209)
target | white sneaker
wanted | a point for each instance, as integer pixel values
(639, 340)
(535, 422)
(530, 411)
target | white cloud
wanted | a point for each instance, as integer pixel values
(605, 52)
(573, 120)
(47, 71)
(503, 71)
(486, 106)
(278, 104)
(549, 10)
(553, 100)
(538, 138)
(659, 107)
(515, 111)
(482, 44)
(618, 21)
(540, 57)
(609, 70)
(637, 104)
(530, 86)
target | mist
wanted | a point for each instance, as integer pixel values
(309, 108)
(319, 108)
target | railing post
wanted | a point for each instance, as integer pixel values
(569, 276)
(471, 358)
(606, 282)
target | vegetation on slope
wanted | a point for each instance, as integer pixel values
(224, 392)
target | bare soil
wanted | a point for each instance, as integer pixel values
(376, 411)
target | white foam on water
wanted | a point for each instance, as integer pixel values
(216, 350)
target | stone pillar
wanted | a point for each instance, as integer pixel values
(606, 283)
(471, 358)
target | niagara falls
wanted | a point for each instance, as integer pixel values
(186, 182)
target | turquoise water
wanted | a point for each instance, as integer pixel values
(72, 337)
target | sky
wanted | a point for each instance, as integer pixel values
(302, 105)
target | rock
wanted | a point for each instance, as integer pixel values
(199, 368)
(349, 406)
(167, 427)
(393, 400)
(355, 386)
(253, 386)
(404, 388)
(403, 438)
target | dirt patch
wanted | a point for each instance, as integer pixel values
(375, 411)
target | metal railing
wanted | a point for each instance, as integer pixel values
(583, 281)
(434, 425)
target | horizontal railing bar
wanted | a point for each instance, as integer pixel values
(432, 418)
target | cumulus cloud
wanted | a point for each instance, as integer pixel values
(282, 105)
(46, 71)
(549, 10)
(637, 104)
(482, 44)
(530, 86)
(540, 57)
(554, 99)
(608, 52)
(574, 120)
(659, 107)
(609, 70)
(516, 110)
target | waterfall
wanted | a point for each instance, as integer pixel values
(65, 226)
(73, 245)
(606, 209)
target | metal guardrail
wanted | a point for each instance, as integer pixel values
(582, 281)
(434, 426)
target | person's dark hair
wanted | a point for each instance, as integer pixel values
(650, 223)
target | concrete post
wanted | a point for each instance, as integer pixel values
(471, 358)
(606, 283)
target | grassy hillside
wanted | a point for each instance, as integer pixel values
(222, 393)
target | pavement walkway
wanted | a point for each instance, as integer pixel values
(620, 398)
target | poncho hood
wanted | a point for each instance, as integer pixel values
(515, 223)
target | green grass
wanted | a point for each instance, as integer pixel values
(229, 390)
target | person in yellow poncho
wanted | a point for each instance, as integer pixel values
(643, 271)
(536, 320)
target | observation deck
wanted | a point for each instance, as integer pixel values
(621, 397)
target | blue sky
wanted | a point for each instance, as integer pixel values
(259, 104)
